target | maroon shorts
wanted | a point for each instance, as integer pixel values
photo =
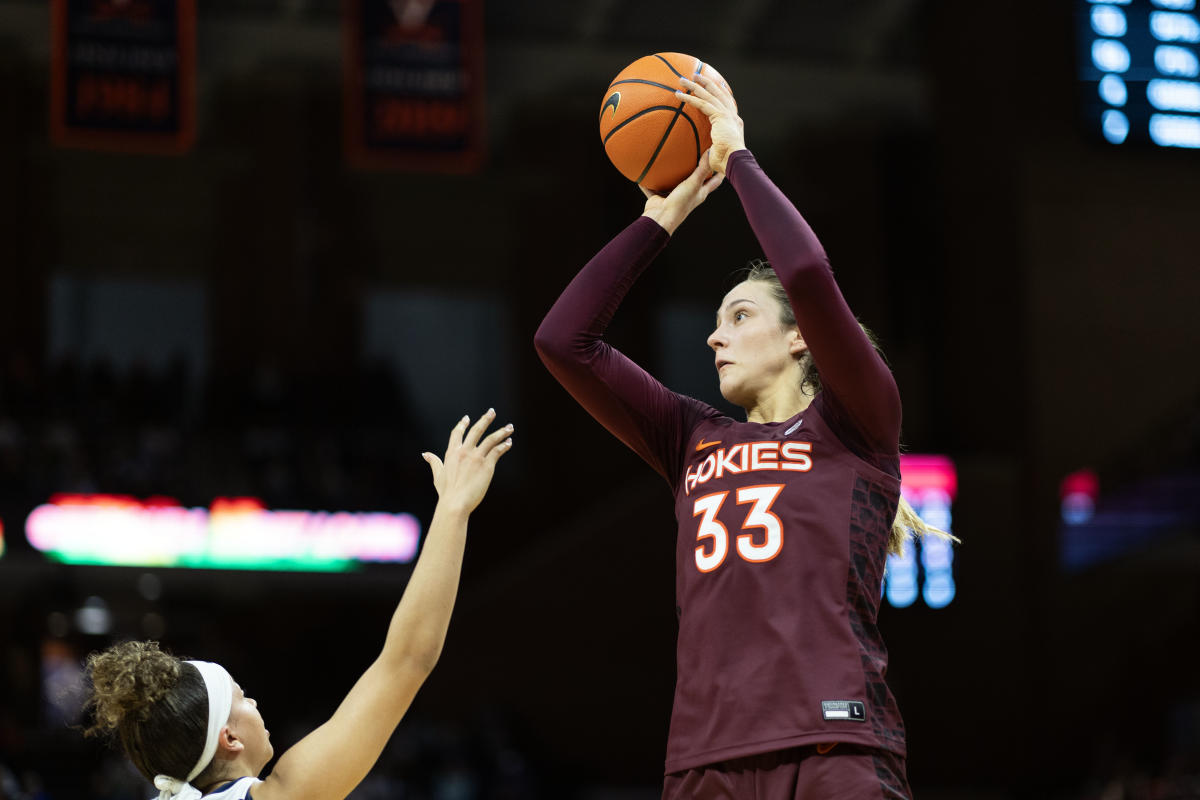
(846, 772)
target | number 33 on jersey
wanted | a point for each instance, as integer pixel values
(761, 536)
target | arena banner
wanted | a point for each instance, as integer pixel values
(413, 84)
(122, 74)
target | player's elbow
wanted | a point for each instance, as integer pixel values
(810, 266)
(417, 660)
(422, 662)
(552, 347)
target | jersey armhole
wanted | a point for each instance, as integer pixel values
(832, 413)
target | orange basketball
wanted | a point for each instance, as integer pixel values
(651, 136)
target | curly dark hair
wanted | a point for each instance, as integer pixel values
(155, 704)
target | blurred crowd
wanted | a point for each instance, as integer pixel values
(318, 442)
(1148, 785)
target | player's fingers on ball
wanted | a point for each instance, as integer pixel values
(702, 88)
(713, 88)
(698, 86)
(719, 95)
(494, 438)
(696, 101)
(732, 102)
(691, 92)
(481, 424)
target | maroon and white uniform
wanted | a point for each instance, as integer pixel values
(783, 526)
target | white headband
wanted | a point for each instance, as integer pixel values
(219, 686)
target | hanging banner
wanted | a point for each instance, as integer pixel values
(413, 84)
(122, 74)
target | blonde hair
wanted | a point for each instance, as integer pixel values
(907, 522)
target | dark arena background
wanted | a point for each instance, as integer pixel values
(256, 255)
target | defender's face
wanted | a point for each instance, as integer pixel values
(247, 724)
(753, 349)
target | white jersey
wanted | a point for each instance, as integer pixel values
(235, 790)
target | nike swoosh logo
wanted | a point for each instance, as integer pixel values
(613, 100)
(703, 445)
(790, 430)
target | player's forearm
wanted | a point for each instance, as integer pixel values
(786, 237)
(418, 628)
(329, 762)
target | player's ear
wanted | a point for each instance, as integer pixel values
(229, 743)
(796, 344)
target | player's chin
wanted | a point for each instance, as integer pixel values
(732, 392)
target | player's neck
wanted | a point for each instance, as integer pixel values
(235, 769)
(778, 406)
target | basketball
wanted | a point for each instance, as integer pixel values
(651, 136)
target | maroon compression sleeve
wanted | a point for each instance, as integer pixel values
(624, 398)
(852, 372)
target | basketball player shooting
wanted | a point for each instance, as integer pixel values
(785, 518)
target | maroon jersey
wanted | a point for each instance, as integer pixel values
(783, 526)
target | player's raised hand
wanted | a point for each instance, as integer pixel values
(715, 101)
(463, 477)
(672, 209)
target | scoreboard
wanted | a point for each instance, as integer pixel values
(1139, 71)
(925, 569)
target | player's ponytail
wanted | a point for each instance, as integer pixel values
(153, 703)
(907, 523)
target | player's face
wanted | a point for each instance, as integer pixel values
(755, 352)
(247, 724)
